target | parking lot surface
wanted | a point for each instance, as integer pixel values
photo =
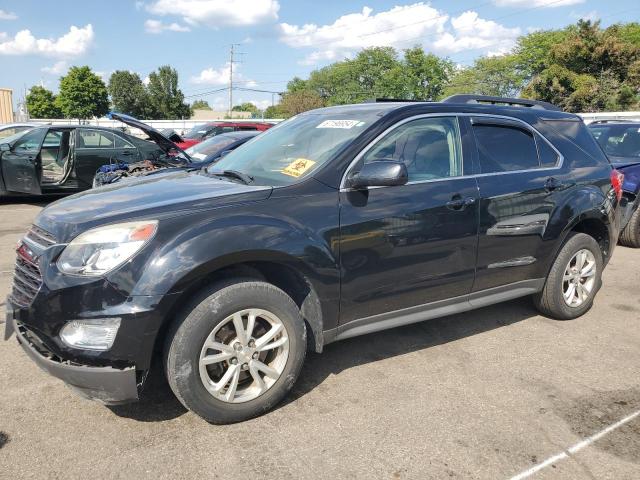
(485, 395)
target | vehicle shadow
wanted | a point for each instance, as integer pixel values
(34, 200)
(157, 403)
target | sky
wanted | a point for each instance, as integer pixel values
(274, 40)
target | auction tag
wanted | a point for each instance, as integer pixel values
(298, 167)
(339, 124)
(199, 156)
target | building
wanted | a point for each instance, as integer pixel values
(6, 105)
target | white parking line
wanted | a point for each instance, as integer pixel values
(575, 448)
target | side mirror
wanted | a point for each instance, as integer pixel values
(384, 173)
(5, 147)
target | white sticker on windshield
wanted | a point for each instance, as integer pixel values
(340, 124)
(199, 156)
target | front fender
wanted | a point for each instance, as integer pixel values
(200, 250)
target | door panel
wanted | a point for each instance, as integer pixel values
(409, 245)
(403, 246)
(21, 165)
(517, 198)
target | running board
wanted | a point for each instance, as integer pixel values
(432, 310)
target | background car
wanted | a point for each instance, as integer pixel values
(11, 129)
(194, 158)
(621, 143)
(201, 132)
(64, 158)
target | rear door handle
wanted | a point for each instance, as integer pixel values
(552, 184)
(459, 203)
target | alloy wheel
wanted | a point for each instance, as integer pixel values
(579, 278)
(244, 355)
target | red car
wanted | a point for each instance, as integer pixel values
(207, 130)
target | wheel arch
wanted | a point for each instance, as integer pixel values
(284, 272)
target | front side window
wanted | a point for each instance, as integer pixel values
(505, 148)
(95, 139)
(295, 148)
(28, 142)
(429, 148)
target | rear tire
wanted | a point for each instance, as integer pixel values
(574, 279)
(225, 373)
(630, 236)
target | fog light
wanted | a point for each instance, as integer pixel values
(94, 334)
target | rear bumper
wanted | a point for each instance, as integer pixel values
(107, 385)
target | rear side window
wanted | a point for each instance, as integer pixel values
(122, 143)
(504, 148)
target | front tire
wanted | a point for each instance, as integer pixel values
(630, 236)
(236, 352)
(574, 279)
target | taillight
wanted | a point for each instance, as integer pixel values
(617, 179)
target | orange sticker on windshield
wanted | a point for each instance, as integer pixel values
(298, 167)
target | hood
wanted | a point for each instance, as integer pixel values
(163, 142)
(155, 196)
(623, 161)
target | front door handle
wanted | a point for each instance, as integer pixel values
(459, 203)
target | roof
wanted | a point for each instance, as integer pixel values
(441, 107)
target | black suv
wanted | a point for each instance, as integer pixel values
(338, 222)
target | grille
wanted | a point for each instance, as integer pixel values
(26, 282)
(27, 278)
(40, 237)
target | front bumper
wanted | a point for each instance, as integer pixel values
(107, 385)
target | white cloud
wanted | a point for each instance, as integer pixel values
(536, 3)
(354, 31)
(220, 76)
(74, 43)
(7, 15)
(261, 104)
(470, 32)
(156, 26)
(57, 68)
(399, 27)
(217, 13)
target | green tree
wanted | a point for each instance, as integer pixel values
(41, 103)
(297, 102)
(591, 69)
(246, 107)
(498, 76)
(533, 50)
(166, 98)
(200, 105)
(129, 95)
(83, 94)
(273, 111)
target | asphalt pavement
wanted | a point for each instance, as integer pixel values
(488, 394)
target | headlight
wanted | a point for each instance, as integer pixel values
(95, 334)
(99, 250)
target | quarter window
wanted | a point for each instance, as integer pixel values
(429, 147)
(503, 148)
(548, 156)
(95, 139)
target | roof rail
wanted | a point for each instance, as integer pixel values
(614, 120)
(383, 100)
(515, 102)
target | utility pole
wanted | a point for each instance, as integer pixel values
(231, 62)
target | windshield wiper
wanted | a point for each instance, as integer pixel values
(243, 177)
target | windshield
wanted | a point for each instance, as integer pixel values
(618, 140)
(294, 149)
(209, 147)
(197, 132)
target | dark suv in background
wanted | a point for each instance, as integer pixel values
(336, 223)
